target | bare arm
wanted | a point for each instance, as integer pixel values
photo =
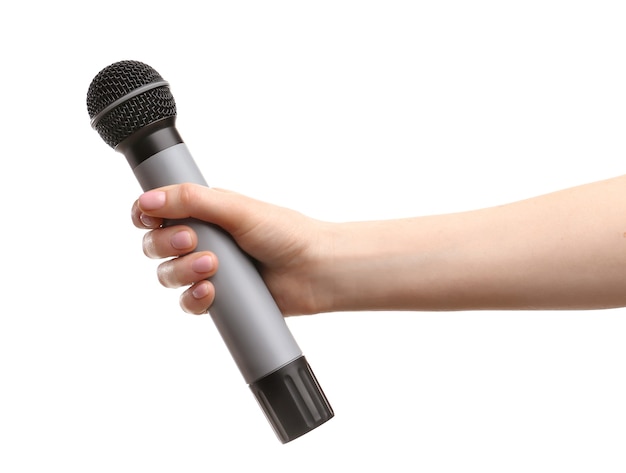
(565, 250)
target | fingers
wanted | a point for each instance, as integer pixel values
(191, 270)
(185, 268)
(233, 212)
(198, 298)
(170, 241)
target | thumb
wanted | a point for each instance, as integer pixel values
(229, 210)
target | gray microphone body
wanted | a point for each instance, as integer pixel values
(137, 118)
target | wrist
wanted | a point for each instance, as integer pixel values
(357, 267)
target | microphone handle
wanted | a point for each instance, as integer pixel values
(244, 311)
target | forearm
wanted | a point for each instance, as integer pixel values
(565, 250)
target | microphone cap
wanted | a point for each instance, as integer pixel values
(125, 97)
(292, 400)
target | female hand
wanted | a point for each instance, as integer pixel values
(287, 246)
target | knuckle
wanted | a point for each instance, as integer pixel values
(188, 194)
(148, 245)
(166, 275)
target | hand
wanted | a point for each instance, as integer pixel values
(287, 246)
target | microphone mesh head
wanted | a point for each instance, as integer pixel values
(118, 80)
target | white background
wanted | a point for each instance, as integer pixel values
(344, 111)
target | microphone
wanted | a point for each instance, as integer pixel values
(133, 110)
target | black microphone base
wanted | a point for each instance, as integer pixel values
(292, 400)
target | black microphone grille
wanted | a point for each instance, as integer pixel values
(125, 97)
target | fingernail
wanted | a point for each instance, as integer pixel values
(200, 290)
(181, 240)
(204, 264)
(148, 221)
(152, 200)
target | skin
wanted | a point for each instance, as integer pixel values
(563, 250)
